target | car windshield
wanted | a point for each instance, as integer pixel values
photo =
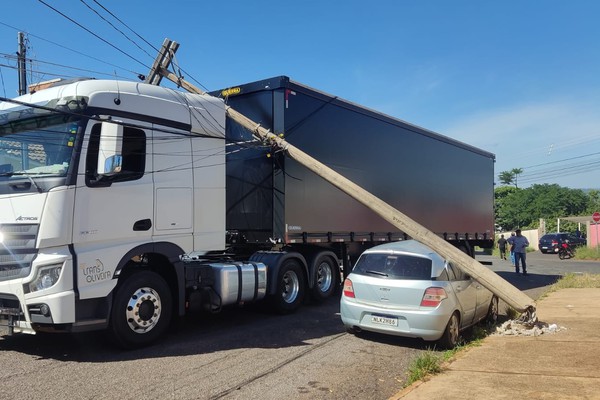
(394, 266)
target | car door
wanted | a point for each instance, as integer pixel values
(465, 290)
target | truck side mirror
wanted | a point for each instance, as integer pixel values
(110, 153)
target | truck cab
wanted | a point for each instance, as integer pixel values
(98, 178)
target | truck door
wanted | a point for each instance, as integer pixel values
(112, 214)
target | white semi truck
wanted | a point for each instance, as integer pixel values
(123, 205)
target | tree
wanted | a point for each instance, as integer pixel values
(510, 177)
(506, 177)
(516, 172)
(522, 208)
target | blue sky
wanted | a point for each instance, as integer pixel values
(519, 79)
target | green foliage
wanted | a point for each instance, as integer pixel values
(587, 253)
(593, 201)
(522, 208)
(510, 177)
(428, 363)
(506, 178)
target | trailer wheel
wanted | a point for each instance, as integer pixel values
(449, 339)
(326, 278)
(291, 287)
(141, 310)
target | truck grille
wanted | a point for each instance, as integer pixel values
(17, 250)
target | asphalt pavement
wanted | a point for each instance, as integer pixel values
(560, 365)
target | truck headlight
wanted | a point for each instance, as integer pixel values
(46, 277)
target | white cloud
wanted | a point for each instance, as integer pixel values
(530, 134)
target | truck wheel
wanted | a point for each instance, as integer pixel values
(141, 310)
(449, 339)
(326, 278)
(291, 287)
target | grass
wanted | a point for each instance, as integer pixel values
(431, 362)
(587, 253)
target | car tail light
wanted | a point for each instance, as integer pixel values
(433, 297)
(348, 289)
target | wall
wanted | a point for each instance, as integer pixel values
(532, 235)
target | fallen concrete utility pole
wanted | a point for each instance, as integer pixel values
(504, 290)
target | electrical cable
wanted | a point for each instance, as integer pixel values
(127, 26)
(69, 49)
(115, 28)
(94, 34)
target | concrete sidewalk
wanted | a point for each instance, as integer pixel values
(563, 365)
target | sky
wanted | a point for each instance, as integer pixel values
(516, 78)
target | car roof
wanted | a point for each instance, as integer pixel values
(411, 247)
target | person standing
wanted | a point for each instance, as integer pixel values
(512, 248)
(502, 247)
(519, 244)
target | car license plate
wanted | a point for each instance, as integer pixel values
(544, 247)
(381, 320)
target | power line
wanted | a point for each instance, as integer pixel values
(10, 56)
(69, 49)
(115, 28)
(94, 34)
(127, 26)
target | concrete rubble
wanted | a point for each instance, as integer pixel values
(521, 328)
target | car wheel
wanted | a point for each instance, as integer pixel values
(492, 315)
(449, 339)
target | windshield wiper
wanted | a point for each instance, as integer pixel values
(376, 273)
(25, 174)
(39, 189)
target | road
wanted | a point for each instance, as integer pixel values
(242, 353)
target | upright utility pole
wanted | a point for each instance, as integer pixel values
(22, 64)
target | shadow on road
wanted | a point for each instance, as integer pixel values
(531, 281)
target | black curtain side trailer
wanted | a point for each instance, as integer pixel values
(445, 185)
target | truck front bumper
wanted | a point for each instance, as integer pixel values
(27, 315)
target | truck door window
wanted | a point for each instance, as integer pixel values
(134, 157)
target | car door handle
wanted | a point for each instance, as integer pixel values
(142, 225)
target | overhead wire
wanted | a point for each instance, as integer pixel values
(10, 56)
(115, 28)
(70, 49)
(94, 34)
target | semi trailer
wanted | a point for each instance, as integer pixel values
(123, 205)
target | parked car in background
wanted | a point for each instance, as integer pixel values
(551, 242)
(406, 289)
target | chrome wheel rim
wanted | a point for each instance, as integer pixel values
(324, 276)
(143, 310)
(291, 286)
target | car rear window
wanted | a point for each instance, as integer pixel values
(396, 266)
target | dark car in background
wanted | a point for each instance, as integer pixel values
(551, 242)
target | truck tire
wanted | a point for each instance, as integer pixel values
(141, 310)
(451, 335)
(325, 277)
(291, 287)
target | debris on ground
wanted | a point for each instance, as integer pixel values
(526, 328)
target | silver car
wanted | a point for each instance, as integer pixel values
(406, 289)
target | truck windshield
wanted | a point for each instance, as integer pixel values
(34, 147)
